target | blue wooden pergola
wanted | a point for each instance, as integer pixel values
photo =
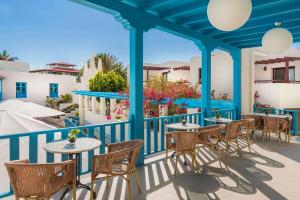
(188, 19)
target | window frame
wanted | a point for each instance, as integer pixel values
(22, 90)
(52, 87)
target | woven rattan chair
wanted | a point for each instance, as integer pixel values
(41, 180)
(209, 137)
(275, 125)
(119, 161)
(246, 126)
(256, 124)
(183, 143)
(231, 134)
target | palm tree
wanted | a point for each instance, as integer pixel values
(5, 56)
(111, 63)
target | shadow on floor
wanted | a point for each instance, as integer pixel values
(241, 176)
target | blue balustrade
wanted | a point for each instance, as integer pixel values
(154, 140)
(229, 113)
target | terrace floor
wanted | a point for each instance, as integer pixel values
(270, 171)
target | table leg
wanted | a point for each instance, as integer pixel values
(78, 183)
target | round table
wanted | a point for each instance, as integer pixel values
(64, 147)
(187, 126)
(218, 121)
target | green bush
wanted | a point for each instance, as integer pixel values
(107, 82)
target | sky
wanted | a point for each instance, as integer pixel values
(44, 31)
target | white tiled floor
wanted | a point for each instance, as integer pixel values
(270, 171)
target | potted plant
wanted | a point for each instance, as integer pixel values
(218, 115)
(73, 135)
(183, 122)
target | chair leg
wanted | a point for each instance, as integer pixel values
(194, 162)
(219, 155)
(166, 156)
(248, 142)
(226, 149)
(92, 189)
(138, 181)
(74, 192)
(129, 187)
(238, 146)
(106, 178)
(176, 162)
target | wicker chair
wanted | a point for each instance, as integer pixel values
(276, 126)
(231, 134)
(246, 125)
(256, 124)
(209, 137)
(41, 180)
(183, 143)
(119, 161)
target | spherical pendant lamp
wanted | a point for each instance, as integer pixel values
(228, 15)
(277, 40)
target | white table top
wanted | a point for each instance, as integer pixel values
(220, 120)
(64, 147)
(179, 126)
(271, 115)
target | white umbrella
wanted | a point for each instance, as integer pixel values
(11, 122)
(29, 109)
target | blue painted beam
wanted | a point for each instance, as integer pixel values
(257, 34)
(145, 20)
(277, 11)
(199, 6)
(151, 4)
(257, 40)
(136, 113)
(254, 27)
(237, 34)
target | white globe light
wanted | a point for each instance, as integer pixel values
(228, 15)
(277, 40)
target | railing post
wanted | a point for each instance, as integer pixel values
(295, 122)
(136, 88)
(237, 81)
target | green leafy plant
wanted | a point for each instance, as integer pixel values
(73, 135)
(5, 56)
(107, 82)
(65, 98)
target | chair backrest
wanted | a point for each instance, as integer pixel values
(207, 132)
(35, 179)
(272, 123)
(185, 141)
(233, 129)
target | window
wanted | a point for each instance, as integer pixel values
(279, 74)
(53, 90)
(21, 90)
(199, 76)
(165, 76)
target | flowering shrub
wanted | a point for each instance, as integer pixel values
(158, 89)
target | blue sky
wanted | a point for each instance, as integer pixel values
(43, 31)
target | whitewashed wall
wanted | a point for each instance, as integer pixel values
(279, 95)
(37, 85)
(14, 66)
(222, 72)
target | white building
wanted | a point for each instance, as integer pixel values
(17, 82)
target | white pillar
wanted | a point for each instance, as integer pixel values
(94, 104)
(163, 110)
(81, 110)
(102, 106)
(86, 103)
(113, 103)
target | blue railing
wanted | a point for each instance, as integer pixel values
(295, 113)
(29, 145)
(155, 129)
(229, 113)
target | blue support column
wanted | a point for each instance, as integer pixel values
(205, 79)
(237, 81)
(136, 88)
